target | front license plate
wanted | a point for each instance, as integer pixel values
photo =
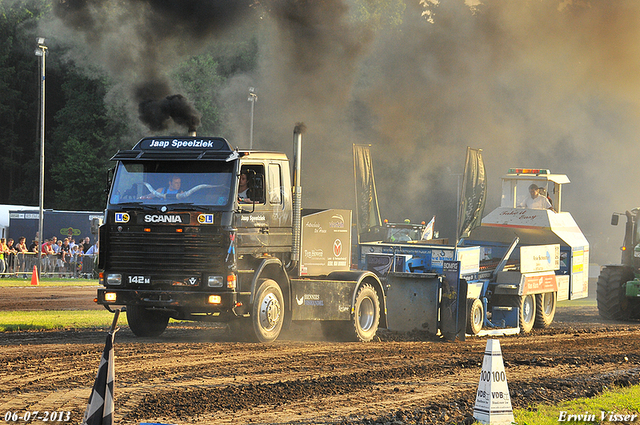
(139, 279)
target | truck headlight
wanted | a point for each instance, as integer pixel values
(114, 279)
(110, 296)
(215, 281)
(215, 299)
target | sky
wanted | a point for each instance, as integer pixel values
(533, 83)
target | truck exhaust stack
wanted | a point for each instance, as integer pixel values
(297, 191)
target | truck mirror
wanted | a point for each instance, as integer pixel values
(614, 220)
(95, 225)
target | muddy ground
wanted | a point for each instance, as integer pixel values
(195, 374)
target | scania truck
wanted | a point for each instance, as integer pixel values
(178, 242)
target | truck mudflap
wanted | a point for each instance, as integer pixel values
(178, 301)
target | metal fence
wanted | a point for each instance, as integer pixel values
(75, 266)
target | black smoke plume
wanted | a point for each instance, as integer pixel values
(158, 114)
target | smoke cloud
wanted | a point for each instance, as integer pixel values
(541, 84)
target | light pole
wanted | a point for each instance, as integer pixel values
(42, 52)
(253, 98)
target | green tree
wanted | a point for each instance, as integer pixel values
(85, 139)
(18, 109)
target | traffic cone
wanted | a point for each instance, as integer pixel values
(34, 277)
(493, 402)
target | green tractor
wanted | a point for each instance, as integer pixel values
(618, 288)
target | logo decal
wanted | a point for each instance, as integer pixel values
(337, 247)
(122, 218)
(174, 218)
(205, 219)
(300, 301)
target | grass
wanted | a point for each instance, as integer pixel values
(619, 401)
(47, 281)
(583, 302)
(12, 321)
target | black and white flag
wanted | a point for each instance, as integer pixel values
(101, 407)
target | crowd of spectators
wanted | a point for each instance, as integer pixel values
(62, 257)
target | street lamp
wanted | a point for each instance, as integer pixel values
(41, 51)
(253, 98)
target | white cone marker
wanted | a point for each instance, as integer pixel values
(493, 402)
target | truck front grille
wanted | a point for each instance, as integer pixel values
(165, 252)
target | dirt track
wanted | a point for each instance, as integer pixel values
(193, 374)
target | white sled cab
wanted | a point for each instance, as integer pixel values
(537, 227)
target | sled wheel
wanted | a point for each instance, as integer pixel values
(475, 316)
(545, 309)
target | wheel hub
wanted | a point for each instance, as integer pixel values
(366, 314)
(270, 311)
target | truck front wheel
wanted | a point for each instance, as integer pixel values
(545, 309)
(146, 323)
(268, 311)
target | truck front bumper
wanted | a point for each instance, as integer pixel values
(179, 301)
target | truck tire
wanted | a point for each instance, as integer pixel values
(367, 314)
(545, 309)
(475, 316)
(146, 323)
(613, 303)
(268, 311)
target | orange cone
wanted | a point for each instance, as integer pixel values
(34, 277)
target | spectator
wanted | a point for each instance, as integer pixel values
(93, 250)
(21, 250)
(65, 249)
(54, 244)
(11, 256)
(4, 251)
(86, 244)
(34, 246)
(48, 255)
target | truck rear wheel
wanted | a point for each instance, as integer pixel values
(613, 303)
(146, 323)
(545, 309)
(475, 316)
(268, 311)
(367, 313)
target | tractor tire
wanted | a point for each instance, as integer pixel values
(475, 316)
(146, 323)
(545, 309)
(613, 303)
(267, 316)
(527, 310)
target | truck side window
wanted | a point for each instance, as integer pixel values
(255, 177)
(275, 184)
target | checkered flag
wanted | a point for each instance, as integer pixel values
(100, 407)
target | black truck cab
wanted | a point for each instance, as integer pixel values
(178, 242)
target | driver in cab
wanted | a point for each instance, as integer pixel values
(536, 201)
(172, 189)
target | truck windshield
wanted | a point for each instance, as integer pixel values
(205, 183)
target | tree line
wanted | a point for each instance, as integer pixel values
(82, 130)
